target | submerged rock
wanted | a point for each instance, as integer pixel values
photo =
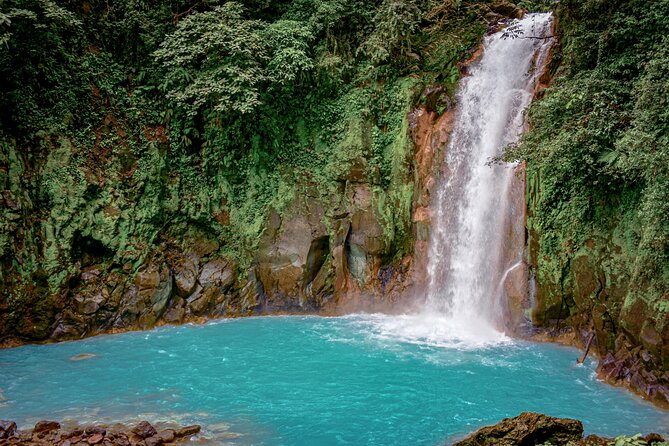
(82, 356)
(528, 428)
(187, 431)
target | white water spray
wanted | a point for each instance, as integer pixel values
(466, 264)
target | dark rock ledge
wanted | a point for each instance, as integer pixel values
(626, 365)
(533, 429)
(51, 433)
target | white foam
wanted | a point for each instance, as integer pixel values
(430, 329)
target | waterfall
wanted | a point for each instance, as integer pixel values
(467, 255)
(471, 252)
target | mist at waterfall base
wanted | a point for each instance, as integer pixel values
(422, 378)
(291, 380)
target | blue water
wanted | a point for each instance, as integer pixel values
(311, 381)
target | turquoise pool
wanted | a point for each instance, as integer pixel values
(356, 380)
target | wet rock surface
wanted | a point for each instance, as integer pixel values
(530, 429)
(144, 430)
(625, 365)
(7, 429)
(636, 368)
(526, 429)
(51, 433)
(359, 245)
(46, 426)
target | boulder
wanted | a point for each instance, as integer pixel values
(95, 439)
(147, 280)
(136, 440)
(121, 441)
(132, 305)
(153, 441)
(140, 303)
(217, 273)
(46, 426)
(154, 286)
(83, 357)
(90, 303)
(73, 433)
(185, 277)
(65, 330)
(115, 297)
(167, 435)
(144, 430)
(528, 428)
(174, 315)
(202, 300)
(188, 431)
(91, 430)
(161, 297)
(7, 429)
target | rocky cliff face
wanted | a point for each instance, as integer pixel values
(138, 188)
(591, 291)
(322, 253)
(123, 207)
(598, 277)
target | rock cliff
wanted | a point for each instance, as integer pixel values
(322, 253)
(597, 234)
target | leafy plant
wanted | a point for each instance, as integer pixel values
(215, 58)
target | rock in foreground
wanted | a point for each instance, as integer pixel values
(50, 433)
(533, 429)
(526, 429)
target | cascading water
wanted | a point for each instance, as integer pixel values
(467, 261)
(471, 254)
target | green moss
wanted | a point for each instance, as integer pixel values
(596, 160)
(110, 172)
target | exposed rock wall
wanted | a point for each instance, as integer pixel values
(591, 292)
(593, 295)
(323, 253)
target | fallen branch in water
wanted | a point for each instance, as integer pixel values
(587, 347)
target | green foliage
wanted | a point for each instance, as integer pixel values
(623, 440)
(215, 58)
(143, 123)
(290, 41)
(598, 145)
(38, 42)
(396, 23)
